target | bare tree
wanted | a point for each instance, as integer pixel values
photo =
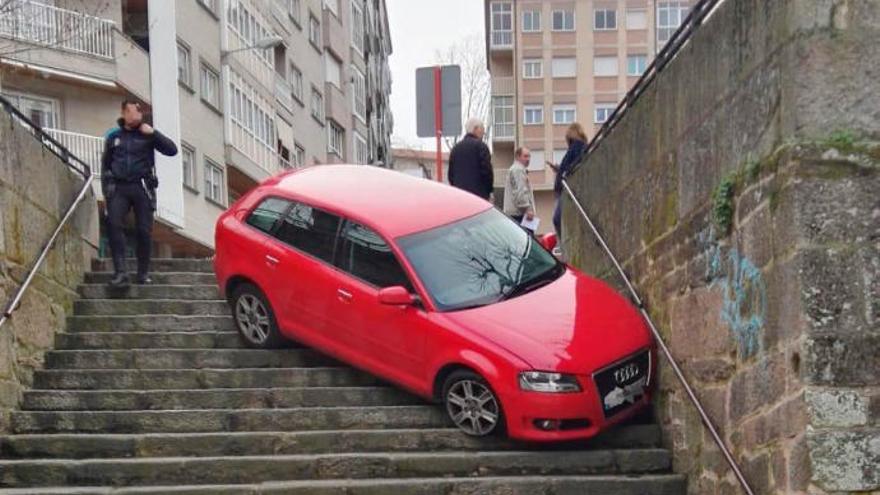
(476, 86)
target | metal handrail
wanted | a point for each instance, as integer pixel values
(74, 163)
(681, 36)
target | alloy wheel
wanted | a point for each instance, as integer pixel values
(252, 318)
(473, 407)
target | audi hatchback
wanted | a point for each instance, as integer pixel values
(435, 290)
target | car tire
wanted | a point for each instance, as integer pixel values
(472, 405)
(254, 318)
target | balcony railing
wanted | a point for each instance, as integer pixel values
(502, 39)
(54, 27)
(87, 148)
(283, 92)
(503, 132)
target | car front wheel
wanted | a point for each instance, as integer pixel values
(472, 405)
(254, 318)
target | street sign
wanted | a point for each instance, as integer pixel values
(450, 101)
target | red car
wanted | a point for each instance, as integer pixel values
(435, 290)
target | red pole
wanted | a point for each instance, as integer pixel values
(438, 121)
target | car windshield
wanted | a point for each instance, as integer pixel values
(479, 260)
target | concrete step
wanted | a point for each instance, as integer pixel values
(248, 398)
(154, 291)
(163, 278)
(149, 340)
(259, 469)
(159, 265)
(88, 446)
(654, 484)
(217, 420)
(189, 359)
(650, 484)
(150, 323)
(145, 307)
(200, 379)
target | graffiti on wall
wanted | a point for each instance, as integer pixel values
(744, 303)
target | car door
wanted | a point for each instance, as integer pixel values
(390, 337)
(303, 247)
(262, 257)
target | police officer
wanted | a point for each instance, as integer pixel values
(128, 179)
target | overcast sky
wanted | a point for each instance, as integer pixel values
(418, 29)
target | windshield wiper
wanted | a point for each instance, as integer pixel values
(540, 281)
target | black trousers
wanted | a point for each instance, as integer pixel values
(130, 196)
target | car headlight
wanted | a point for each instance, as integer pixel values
(541, 381)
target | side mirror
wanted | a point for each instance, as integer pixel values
(396, 296)
(549, 241)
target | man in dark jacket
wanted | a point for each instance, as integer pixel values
(470, 163)
(128, 180)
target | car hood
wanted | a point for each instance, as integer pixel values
(576, 324)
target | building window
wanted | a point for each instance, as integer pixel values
(299, 155)
(605, 20)
(531, 21)
(537, 161)
(533, 69)
(335, 138)
(294, 9)
(502, 24)
(564, 67)
(213, 181)
(332, 6)
(558, 155)
(563, 20)
(636, 65)
(502, 116)
(315, 31)
(361, 155)
(317, 105)
(332, 70)
(669, 16)
(603, 112)
(210, 85)
(636, 19)
(184, 64)
(359, 94)
(564, 114)
(252, 114)
(533, 115)
(249, 29)
(41, 111)
(357, 27)
(296, 83)
(188, 157)
(605, 66)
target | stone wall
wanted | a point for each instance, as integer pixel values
(743, 193)
(35, 190)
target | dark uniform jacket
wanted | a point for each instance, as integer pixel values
(470, 166)
(128, 156)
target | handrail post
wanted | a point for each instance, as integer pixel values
(707, 421)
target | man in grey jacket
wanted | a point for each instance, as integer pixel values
(519, 200)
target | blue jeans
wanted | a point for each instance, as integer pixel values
(557, 219)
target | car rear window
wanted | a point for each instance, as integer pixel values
(310, 230)
(267, 213)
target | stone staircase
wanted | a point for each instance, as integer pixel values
(151, 391)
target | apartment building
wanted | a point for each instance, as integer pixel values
(554, 62)
(248, 88)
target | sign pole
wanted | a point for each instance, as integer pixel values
(438, 121)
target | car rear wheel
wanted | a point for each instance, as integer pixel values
(472, 405)
(254, 318)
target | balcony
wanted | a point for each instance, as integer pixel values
(503, 132)
(503, 86)
(501, 40)
(57, 28)
(283, 92)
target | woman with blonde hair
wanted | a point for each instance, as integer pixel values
(576, 139)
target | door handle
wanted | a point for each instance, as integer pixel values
(271, 259)
(344, 295)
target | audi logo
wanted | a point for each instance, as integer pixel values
(626, 373)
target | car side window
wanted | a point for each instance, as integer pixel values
(310, 230)
(267, 213)
(364, 254)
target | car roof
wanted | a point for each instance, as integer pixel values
(394, 203)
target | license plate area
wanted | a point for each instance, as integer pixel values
(623, 383)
